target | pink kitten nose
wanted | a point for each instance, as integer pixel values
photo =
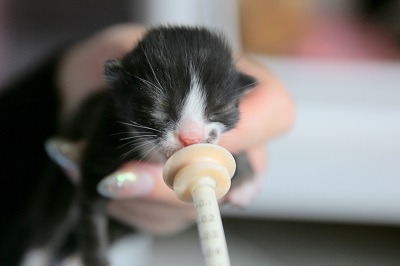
(190, 134)
(187, 140)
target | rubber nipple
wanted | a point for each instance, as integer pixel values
(196, 162)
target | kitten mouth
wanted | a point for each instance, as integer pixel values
(169, 153)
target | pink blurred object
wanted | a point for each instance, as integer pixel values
(346, 39)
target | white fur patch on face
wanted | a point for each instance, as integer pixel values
(192, 126)
(194, 105)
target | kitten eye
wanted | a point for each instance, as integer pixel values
(227, 109)
(211, 118)
(160, 116)
(218, 116)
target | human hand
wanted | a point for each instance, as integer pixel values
(266, 112)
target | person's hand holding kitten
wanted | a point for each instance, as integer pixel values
(266, 112)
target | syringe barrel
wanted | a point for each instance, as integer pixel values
(210, 229)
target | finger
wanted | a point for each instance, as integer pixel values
(81, 67)
(154, 217)
(266, 111)
(156, 190)
(245, 193)
(258, 158)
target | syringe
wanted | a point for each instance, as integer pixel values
(201, 173)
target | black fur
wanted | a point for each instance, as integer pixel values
(146, 86)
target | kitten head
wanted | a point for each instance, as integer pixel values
(179, 87)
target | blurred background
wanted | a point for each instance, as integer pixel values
(332, 189)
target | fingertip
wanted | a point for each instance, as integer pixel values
(159, 190)
(126, 184)
(242, 196)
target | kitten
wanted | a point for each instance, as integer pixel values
(178, 87)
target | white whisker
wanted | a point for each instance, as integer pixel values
(152, 70)
(151, 84)
(249, 85)
(135, 124)
(149, 151)
(133, 132)
(138, 141)
(138, 136)
(136, 148)
(119, 133)
(126, 72)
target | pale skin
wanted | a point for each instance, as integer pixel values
(266, 112)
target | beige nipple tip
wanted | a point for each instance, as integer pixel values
(199, 161)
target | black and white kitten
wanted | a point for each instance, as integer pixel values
(178, 87)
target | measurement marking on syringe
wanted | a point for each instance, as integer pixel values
(206, 218)
(209, 235)
(203, 203)
(212, 252)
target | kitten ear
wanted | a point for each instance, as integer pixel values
(246, 82)
(112, 70)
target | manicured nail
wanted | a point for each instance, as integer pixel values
(60, 151)
(63, 153)
(126, 184)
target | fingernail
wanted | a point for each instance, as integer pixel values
(126, 184)
(63, 153)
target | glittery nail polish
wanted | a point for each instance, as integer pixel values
(125, 184)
